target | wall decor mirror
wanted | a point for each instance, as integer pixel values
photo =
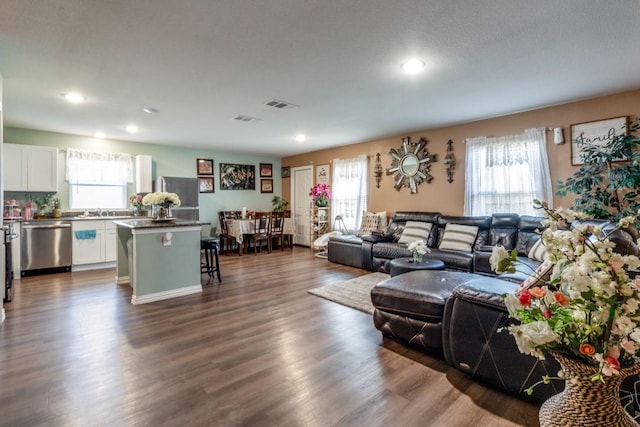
(410, 164)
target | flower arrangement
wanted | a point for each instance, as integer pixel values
(581, 302)
(161, 198)
(418, 248)
(320, 194)
(136, 201)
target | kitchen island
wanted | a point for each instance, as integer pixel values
(159, 259)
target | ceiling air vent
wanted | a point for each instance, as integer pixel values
(281, 105)
(243, 118)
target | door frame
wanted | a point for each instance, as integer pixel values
(310, 169)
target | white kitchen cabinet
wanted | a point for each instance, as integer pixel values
(110, 241)
(88, 250)
(30, 168)
(144, 183)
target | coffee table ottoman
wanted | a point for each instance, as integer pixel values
(409, 307)
(405, 265)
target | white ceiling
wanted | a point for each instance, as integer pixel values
(202, 62)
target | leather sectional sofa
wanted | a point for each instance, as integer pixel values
(457, 314)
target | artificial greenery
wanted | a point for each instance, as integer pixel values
(44, 202)
(605, 186)
(278, 203)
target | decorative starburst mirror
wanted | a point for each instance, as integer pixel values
(410, 164)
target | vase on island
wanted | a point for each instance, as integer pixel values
(585, 401)
(416, 258)
(160, 213)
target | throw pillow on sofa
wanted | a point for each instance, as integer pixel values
(382, 221)
(369, 224)
(415, 230)
(459, 237)
(538, 252)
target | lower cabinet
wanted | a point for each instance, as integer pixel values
(94, 243)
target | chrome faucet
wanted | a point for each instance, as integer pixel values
(99, 212)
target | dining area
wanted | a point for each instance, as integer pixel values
(244, 231)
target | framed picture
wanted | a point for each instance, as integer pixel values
(322, 174)
(266, 186)
(286, 172)
(237, 177)
(266, 170)
(599, 132)
(205, 183)
(204, 166)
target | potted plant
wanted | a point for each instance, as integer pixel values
(55, 204)
(278, 203)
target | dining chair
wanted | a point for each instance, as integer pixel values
(259, 234)
(227, 240)
(276, 229)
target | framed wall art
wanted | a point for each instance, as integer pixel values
(286, 172)
(266, 186)
(266, 170)
(204, 166)
(205, 183)
(600, 132)
(237, 177)
(322, 174)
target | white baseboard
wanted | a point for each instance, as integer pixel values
(97, 266)
(166, 294)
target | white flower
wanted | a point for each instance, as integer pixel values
(512, 303)
(418, 247)
(498, 254)
(531, 335)
(161, 198)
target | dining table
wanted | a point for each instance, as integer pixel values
(239, 227)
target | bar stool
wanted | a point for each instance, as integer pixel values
(210, 247)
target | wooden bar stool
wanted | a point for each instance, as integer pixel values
(210, 247)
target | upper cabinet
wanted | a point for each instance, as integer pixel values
(30, 168)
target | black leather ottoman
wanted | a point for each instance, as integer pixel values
(409, 307)
(346, 250)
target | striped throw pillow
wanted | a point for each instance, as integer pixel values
(538, 251)
(415, 230)
(459, 237)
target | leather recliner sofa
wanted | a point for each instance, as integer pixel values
(458, 314)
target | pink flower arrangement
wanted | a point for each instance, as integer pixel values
(136, 201)
(320, 194)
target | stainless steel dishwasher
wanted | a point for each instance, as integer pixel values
(45, 247)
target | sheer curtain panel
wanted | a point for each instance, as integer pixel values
(349, 190)
(86, 167)
(505, 174)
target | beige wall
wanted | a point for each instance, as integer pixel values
(441, 196)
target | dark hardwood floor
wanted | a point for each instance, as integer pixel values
(256, 350)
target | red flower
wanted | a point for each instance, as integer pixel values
(561, 298)
(546, 313)
(525, 298)
(587, 349)
(613, 362)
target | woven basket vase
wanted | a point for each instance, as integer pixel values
(585, 402)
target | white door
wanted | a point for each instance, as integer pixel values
(301, 182)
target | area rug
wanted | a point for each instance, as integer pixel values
(354, 293)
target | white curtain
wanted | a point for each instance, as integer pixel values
(505, 174)
(85, 167)
(349, 190)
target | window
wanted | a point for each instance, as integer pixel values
(350, 190)
(98, 180)
(506, 174)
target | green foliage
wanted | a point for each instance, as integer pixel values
(606, 187)
(278, 203)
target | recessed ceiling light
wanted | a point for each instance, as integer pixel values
(132, 128)
(413, 66)
(300, 137)
(150, 110)
(99, 134)
(74, 97)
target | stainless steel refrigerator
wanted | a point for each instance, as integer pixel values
(187, 190)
